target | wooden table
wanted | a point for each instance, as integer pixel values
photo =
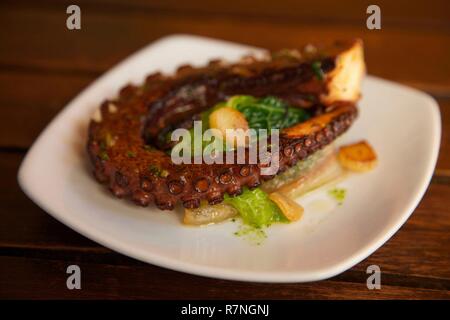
(43, 65)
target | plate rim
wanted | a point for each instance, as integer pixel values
(221, 272)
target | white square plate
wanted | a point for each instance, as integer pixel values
(402, 124)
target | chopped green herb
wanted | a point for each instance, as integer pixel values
(338, 194)
(148, 148)
(154, 169)
(104, 155)
(158, 171)
(317, 68)
(252, 234)
(131, 154)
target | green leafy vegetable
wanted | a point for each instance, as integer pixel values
(255, 208)
(267, 113)
(317, 68)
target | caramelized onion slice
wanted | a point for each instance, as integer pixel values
(327, 171)
(208, 214)
(290, 209)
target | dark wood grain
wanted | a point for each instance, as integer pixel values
(47, 279)
(325, 11)
(404, 12)
(30, 106)
(443, 166)
(45, 65)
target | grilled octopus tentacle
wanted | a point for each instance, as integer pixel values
(122, 134)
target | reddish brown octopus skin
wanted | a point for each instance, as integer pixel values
(118, 141)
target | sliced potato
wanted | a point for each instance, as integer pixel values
(359, 157)
(228, 118)
(290, 209)
(207, 214)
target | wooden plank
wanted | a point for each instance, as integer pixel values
(104, 256)
(413, 253)
(443, 164)
(420, 248)
(29, 101)
(46, 279)
(416, 58)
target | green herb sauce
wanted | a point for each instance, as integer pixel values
(338, 194)
(253, 235)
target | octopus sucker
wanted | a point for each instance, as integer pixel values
(124, 135)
